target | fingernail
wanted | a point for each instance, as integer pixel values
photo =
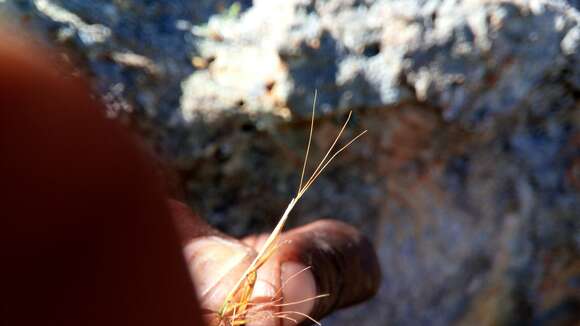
(267, 282)
(210, 259)
(299, 290)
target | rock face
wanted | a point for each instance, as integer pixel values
(468, 180)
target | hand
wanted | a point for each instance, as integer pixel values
(86, 237)
(324, 257)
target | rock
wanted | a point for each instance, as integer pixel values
(332, 47)
(468, 179)
(138, 51)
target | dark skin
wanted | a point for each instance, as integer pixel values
(88, 236)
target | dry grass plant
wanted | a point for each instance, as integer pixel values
(237, 309)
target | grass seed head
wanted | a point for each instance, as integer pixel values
(237, 308)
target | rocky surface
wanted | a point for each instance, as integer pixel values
(468, 180)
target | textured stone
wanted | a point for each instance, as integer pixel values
(468, 179)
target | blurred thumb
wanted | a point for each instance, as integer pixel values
(343, 261)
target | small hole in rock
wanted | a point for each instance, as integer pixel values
(248, 127)
(270, 85)
(372, 49)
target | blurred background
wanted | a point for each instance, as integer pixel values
(467, 181)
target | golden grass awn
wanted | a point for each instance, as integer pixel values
(237, 308)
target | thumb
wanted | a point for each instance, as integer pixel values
(322, 258)
(342, 260)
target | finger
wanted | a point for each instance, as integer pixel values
(325, 257)
(85, 234)
(189, 225)
(284, 291)
(255, 240)
(343, 263)
(299, 292)
(267, 281)
(215, 260)
(266, 295)
(216, 265)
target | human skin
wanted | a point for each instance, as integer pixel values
(88, 237)
(340, 261)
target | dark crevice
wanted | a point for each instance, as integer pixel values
(372, 49)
